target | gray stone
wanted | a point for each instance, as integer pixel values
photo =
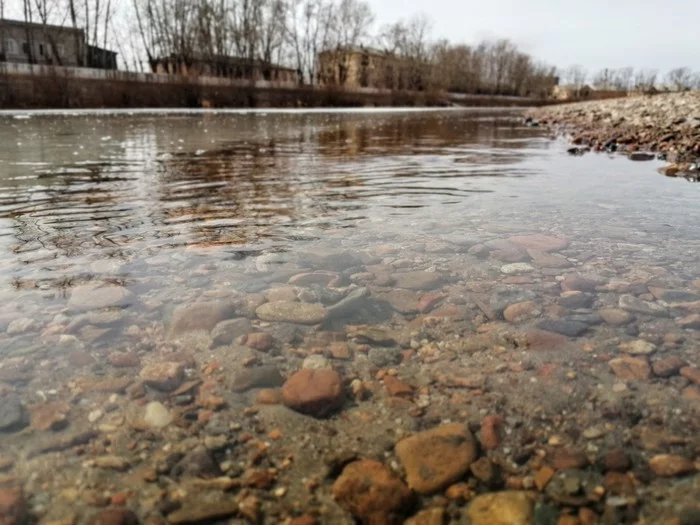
(384, 357)
(267, 376)
(12, 415)
(576, 300)
(329, 259)
(563, 327)
(200, 317)
(349, 304)
(501, 299)
(197, 463)
(633, 304)
(674, 296)
(94, 296)
(226, 332)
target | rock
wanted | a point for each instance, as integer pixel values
(200, 317)
(638, 347)
(116, 516)
(548, 260)
(667, 366)
(49, 415)
(434, 516)
(502, 508)
(691, 373)
(419, 280)
(203, 511)
(491, 432)
(501, 250)
(261, 341)
(21, 326)
(517, 268)
(674, 296)
(578, 284)
(519, 312)
(641, 156)
(112, 462)
(329, 259)
(226, 332)
(281, 293)
(166, 376)
(350, 304)
(292, 312)
(372, 335)
(567, 459)
(12, 415)
(397, 388)
(198, 463)
(495, 306)
(384, 357)
(313, 278)
(156, 415)
(372, 493)
(316, 362)
(95, 296)
(543, 477)
(631, 368)
(615, 317)
(13, 507)
(436, 458)
(542, 340)
(123, 359)
(267, 376)
(540, 243)
(630, 303)
(563, 327)
(576, 300)
(316, 393)
(429, 301)
(691, 322)
(403, 301)
(617, 461)
(668, 465)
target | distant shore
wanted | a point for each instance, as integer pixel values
(664, 126)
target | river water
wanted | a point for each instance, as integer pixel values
(430, 267)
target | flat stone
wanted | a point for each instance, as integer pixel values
(50, 415)
(519, 312)
(576, 300)
(667, 366)
(563, 327)
(226, 332)
(95, 296)
(267, 376)
(21, 326)
(13, 506)
(436, 458)
(372, 493)
(691, 322)
(674, 296)
(503, 251)
(281, 293)
(165, 376)
(578, 284)
(635, 305)
(615, 316)
(542, 340)
(12, 415)
(202, 511)
(313, 278)
(261, 341)
(112, 462)
(638, 347)
(418, 280)
(540, 243)
(691, 373)
(123, 359)
(502, 508)
(517, 268)
(292, 312)
(494, 305)
(316, 393)
(384, 357)
(403, 301)
(156, 415)
(200, 317)
(548, 260)
(631, 368)
(355, 301)
(669, 465)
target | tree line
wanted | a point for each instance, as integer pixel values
(293, 32)
(627, 79)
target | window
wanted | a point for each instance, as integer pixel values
(60, 50)
(25, 48)
(41, 50)
(10, 47)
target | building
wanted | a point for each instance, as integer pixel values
(225, 67)
(50, 45)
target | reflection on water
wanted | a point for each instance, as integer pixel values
(448, 265)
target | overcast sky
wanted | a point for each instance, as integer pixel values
(658, 34)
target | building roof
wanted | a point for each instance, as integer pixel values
(21, 23)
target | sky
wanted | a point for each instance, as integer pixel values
(655, 34)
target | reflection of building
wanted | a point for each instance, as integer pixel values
(584, 92)
(360, 67)
(224, 66)
(45, 44)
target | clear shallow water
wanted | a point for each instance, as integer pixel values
(174, 209)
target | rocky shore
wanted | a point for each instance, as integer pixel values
(664, 126)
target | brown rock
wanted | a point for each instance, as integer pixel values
(372, 493)
(49, 415)
(578, 284)
(630, 368)
(541, 340)
(268, 396)
(429, 301)
(202, 316)
(615, 316)
(690, 322)
(691, 373)
(396, 387)
(587, 516)
(403, 301)
(565, 459)
(340, 351)
(483, 469)
(434, 516)
(314, 392)
(13, 507)
(668, 465)
(436, 458)
(418, 280)
(491, 432)
(123, 360)
(292, 312)
(165, 376)
(519, 312)
(260, 341)
(540, 243)
(667, 366)
(502, 508)
(617, 461)
(543, 477)
(306, 519)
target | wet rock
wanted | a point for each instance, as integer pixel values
(502, 250)
(691, 373)
(397, 388)
(517, 268)
(403, 301)
(261, 341)
(21, 326)
(197, 463)
(541, 340)
(292, 312)
(641, 156)
(578, 284)
(491, 432)
(166, 376)
(419, 280)
(115, 516)
(495, 305)
(548, 260)
(502, 508)
(566, 459)
(112, 462)
(329, 259)
(429, 301)
(226, 332)
(95, 296)
(316, 362)
(576, 300)
(617, 461)
(351, 303)
(630, 303)
(372, 493)
(123, 360)
(373, 335)
(49, 415)
(616, 317)
(281, 293)
(518, 312)
(13, 507)
(315, 393)
(436, 458)
(563, 327)
(384, 357)
(203, 511)
(540, 243)
(12, 415)
(200, 317)
(673, 296)
(638, 347)
(691, 322)
(434, 516)
(667, 366)
(156, 415)
(668, 465)
(631, 368)
(267, 376)
(313, 278)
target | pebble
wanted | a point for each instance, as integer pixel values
(667, 366)
(165, 376)
(638, 347)
(21, 326)
(518, 312)
(156, 415)
(200, 317)
(267, 376)
(668, 465)
(123, 359)
(563, 327)
(292, 312)
(631, 368)
(491, 432)
(316, 362)
(617, 460)
(316, 393)
(226, 332)
(95, 296)
(434, 516)
(261, 341)
(578, 284)
(436, 458)
(12, 415)
(418, 280)
(615, 316)
(112, 462)
(13, 507)
(502, 508)
(633, 304)
(691, 373)
(517, 268)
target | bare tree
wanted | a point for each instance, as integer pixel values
(680, 78)
(645, 80)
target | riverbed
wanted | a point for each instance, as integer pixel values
(250, 315)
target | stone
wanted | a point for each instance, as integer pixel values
(317, 393)
(340, 351)
(563, 327)
(541, 340)
(518, 312)
(436, 458)
(268, 396)
(226, 332)
(615, 316)
(95, 296)
(123, 359)
(12, 415)
(691, 373)
(50, 415)
(517, 268)
(543, 477)
(567, 459)
(330, 259)
(114, 516)
(156, 415)
(638, 347)
(690, 322)
(491, 432)
(165, 376)
(197, 463)
(316, 362)
(261, 341)
(667, 366)
(21, 326)
(281, 293)
(548, 260)
(540, 243)
(313, 278)
(292, 312)
(419, 280)
(397, 388)
(355, 301)
(630, 303)
(669, 465)
(576, 300)
(617, 460)
(502, 508)
(674, 296)
(630, 368)
(200, 317)
(578, 284)
(434, 516)
(112, 462)
(372, 493)
(13, 507)
(267, 376)
(203, 511)
(501, 250)
(403, 301)
(641, 156)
